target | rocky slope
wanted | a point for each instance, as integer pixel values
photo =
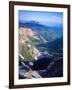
(27, 38)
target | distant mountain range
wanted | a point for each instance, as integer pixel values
(48, 33)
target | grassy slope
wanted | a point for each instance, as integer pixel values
(24, 50)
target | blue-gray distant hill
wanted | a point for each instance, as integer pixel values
(47, 32)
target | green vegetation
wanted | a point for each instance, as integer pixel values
(35, 42)
(24, 50)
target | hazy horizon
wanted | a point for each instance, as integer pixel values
(45, 18)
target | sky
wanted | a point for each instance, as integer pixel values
(46, 18)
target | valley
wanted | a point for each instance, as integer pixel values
(40, 51)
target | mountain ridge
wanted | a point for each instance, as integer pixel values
(49, 33)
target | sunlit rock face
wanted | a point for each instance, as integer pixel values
(26, 32)
(26, 45)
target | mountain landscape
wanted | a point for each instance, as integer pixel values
(47, 32)
(40, 50)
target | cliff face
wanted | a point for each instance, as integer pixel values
(26, 32)
(26, 46)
